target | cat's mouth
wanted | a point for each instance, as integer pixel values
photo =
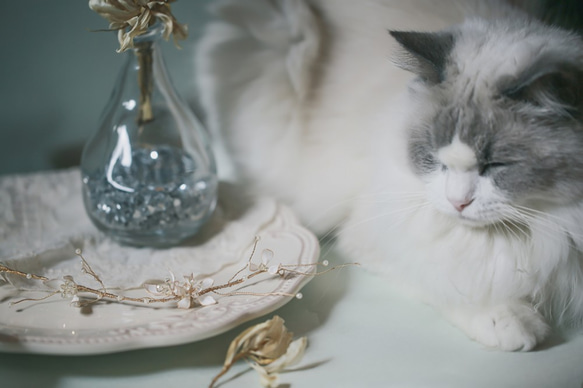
(469, 220)
(474, 222)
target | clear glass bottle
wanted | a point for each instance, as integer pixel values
(149, 175)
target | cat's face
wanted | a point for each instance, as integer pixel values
(480, 167)
(496, 138)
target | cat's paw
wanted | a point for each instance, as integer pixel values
(509, 327)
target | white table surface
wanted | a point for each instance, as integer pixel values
(361, 334)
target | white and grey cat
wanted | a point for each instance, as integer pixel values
(457, 170)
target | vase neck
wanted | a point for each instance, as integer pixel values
(144, 50)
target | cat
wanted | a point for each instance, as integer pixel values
(441, 141)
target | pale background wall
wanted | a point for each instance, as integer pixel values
(56, 76)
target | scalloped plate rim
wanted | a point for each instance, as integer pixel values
(15, 340)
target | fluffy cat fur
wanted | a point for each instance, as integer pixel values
(456, 168)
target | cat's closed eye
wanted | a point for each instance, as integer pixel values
(488, 167)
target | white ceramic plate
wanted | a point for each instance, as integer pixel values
(54, 327)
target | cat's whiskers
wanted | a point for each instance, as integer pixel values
(545, 223)
(402, 212)
(348, 228)
(565, 226)
(515, 225)
(548, 221)
(540, 213)
(416, 198)
(373, 198)
(383, 196)
(512, 230)
(519, 224)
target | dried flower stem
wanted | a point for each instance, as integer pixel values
(228, 366)
(132, 18)
(145, 81)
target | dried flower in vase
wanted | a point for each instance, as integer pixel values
(149, 173)
(132, 18)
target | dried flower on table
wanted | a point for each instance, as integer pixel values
(268, 347)
(269, 374)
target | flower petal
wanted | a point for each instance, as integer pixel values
(206, 283)
(184, 303)
(154, 286)
(266, 256)
(266, 379)
(206, 300)
(294, 354)
(270, 343)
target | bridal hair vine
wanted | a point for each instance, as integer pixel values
(189, 292)
(131, 18)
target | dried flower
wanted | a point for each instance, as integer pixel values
(133, 17)
(269, 374)
(269, 348)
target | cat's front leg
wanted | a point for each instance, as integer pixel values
(512, 326)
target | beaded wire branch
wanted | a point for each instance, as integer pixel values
(192, 291)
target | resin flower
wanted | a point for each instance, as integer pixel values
(188, 291)
(266, 257)
(132, 18)
(69, 289)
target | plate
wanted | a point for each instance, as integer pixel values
(53, 326)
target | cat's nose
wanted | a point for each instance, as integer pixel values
(460, 204)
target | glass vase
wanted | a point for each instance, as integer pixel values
(149, 175)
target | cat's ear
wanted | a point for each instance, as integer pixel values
(553, 84)
(425, 53)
